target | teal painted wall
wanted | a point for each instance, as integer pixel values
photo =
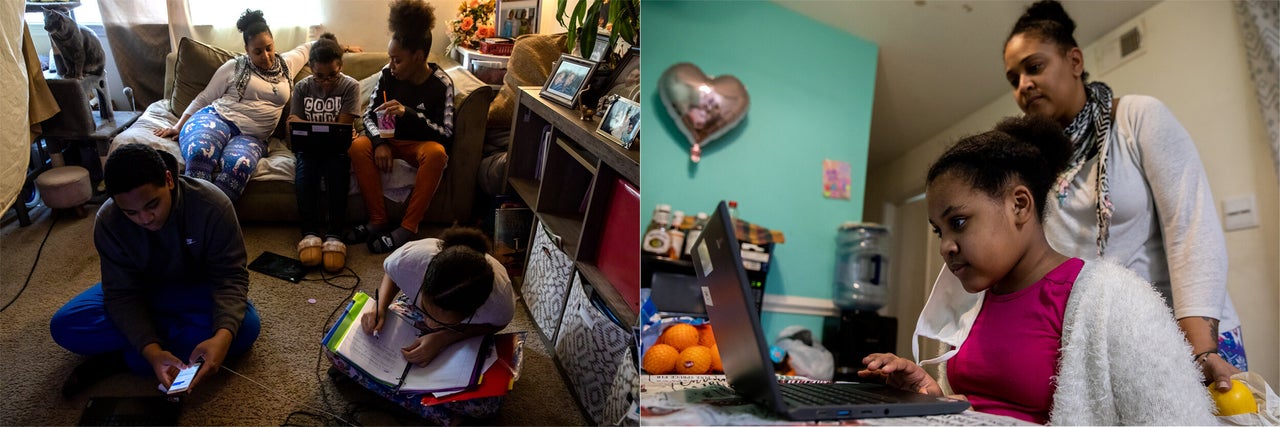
(811, 89)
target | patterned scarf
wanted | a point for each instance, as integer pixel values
(245, 67)
(1088, 132)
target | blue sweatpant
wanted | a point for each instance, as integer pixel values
(209, 139)
(182, 321)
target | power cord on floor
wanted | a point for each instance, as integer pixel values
(33, 263)
(324, 394)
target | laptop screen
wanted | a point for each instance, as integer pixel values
(717, 260)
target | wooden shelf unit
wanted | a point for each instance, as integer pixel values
(569, 195)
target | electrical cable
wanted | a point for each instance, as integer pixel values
(324, 394)
(33, 263)
(286, 398)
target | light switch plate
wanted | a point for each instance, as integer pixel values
(1240, 212)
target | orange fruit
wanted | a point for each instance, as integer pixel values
(660, 359)
(706, 339)
(695, 360)
(716, 366)
(680, 336)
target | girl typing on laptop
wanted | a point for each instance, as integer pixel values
(1046, 338)
(326, 95)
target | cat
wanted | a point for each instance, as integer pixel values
(78, 54)
(76, 49)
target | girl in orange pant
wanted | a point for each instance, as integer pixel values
(414, 98)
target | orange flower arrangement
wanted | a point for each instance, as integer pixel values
(473, 23)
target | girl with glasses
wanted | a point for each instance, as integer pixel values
(450, 287)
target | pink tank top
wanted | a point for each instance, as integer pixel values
(1006, 365)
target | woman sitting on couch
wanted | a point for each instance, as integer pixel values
(231, 118)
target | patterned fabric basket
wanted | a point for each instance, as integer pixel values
(502, 49)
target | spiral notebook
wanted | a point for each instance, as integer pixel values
(455, 368)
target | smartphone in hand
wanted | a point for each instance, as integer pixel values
(182, 382)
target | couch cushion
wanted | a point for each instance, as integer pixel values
(192, 70)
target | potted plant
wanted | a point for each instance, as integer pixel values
(620, 17)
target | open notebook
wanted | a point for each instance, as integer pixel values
(455, 368)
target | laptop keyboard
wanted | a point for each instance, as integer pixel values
(828, 394)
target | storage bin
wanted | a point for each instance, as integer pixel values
(546, 282)
(591, 348)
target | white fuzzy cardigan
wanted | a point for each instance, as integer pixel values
(1123, 359)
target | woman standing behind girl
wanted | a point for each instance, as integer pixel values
(1134, 191)
(231, 118)
(326, 95)
(1055, 339)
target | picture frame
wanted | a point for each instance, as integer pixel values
(621, 124)
(621, 80)
(568, 77)
(514, 18)
(601, 47)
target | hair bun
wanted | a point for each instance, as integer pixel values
(466, 237)
(411, 16)
(1042, 133)
(329, 36)
(248, 18)
(1050, 10)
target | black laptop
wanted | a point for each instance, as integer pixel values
(745, 355)
(319, 137)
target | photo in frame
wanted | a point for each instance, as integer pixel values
(514, 18)
(624, 81)
(601, 47)
(621, 123)
(568, 77)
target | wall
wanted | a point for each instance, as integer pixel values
(1195, 63)
(811, 91)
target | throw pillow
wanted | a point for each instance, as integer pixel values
(193, 68)
(366, 92)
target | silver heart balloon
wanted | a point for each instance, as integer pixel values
(703, 108)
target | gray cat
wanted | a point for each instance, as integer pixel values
(76, 49)
(78, 54)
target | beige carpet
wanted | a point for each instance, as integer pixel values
(33, 367)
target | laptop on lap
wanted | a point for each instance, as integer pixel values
(319, 137)
(744, 353)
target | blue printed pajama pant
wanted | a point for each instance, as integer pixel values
(208, 140)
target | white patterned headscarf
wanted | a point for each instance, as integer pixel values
(1088, 133)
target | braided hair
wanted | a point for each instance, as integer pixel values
(1029, 150)
(459, 278)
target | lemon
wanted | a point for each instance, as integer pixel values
(1238, 400)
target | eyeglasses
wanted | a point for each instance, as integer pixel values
(453, 327)
(325, 78)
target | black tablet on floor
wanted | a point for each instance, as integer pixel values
(279, 266)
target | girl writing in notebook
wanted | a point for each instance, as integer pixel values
(1055, 339)
(454, 290)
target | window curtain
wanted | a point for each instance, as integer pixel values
(15, 144)
(224, 34)
(1260, 25)
(138, 31)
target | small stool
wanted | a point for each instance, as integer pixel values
(65, 187)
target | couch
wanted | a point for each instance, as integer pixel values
(269, 194)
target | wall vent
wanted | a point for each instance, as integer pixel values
(1120, 46)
